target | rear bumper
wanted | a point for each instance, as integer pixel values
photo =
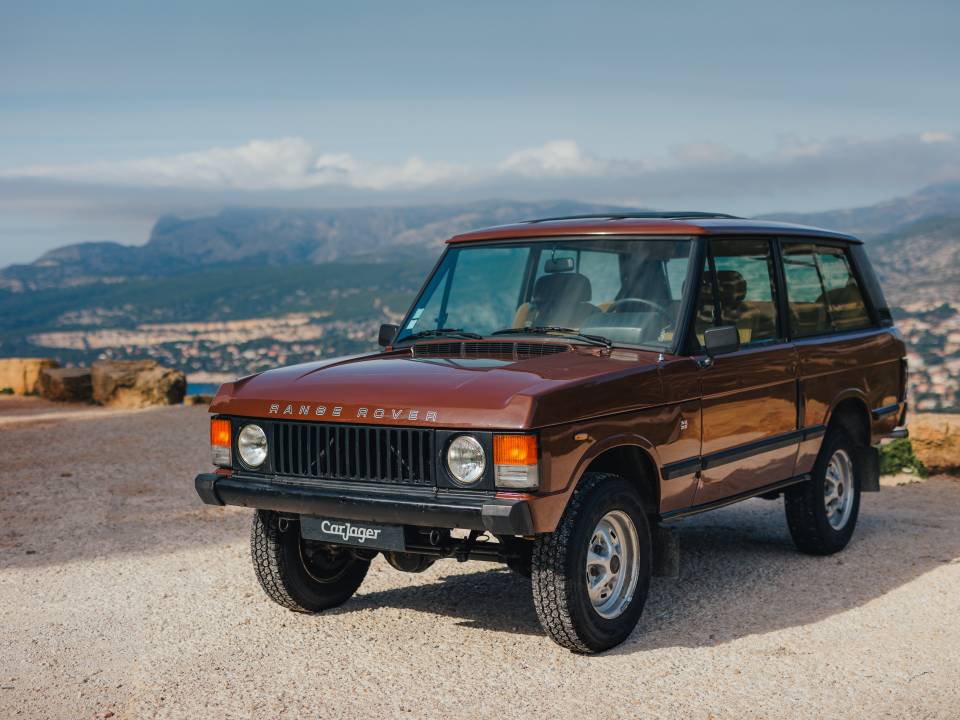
(425, 507)
(892, 420)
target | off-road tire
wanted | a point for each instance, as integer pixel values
(804, 502)
(278, 560)
(559, 567)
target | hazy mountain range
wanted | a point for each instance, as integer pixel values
(913, 238)
(246, 289)
(256, 262)
(270, 236)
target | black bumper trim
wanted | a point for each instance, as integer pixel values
(885, 410)
(205, 484)
(417, 506)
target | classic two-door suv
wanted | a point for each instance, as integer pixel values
(560, 389)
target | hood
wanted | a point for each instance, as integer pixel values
(395, 388)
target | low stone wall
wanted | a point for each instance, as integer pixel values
(936, 441)
(22, 375)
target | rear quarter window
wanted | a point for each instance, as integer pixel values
(822, 291)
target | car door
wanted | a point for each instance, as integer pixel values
(749, 415)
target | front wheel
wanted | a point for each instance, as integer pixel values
(822, 513)
(591, 576)
(302, 575)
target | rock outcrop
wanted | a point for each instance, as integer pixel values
(22, 375)
(136, 383)
(936, 441)
(66, 384)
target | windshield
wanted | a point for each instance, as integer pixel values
(626, 290)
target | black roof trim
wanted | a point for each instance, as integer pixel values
(643, 215)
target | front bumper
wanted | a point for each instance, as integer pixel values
(425, 507)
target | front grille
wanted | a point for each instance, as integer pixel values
(507, 350)
(354, 452)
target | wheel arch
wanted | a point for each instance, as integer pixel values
(634, 463)
(852, 413)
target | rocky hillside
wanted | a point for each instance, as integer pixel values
(256, 237)
(920, 262)
(914, 242)
(871, 221)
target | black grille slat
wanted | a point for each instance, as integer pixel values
(325, 469)
(353, 452)
(409, 463)
(288, 439)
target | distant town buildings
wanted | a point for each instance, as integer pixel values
(932, 333)
(218, 351)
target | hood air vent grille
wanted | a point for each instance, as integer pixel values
(498, 350)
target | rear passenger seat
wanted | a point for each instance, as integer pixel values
(754, 319)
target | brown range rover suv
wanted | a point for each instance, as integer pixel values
(559, 390)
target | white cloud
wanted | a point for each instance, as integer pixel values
(833, 171)
(937, 137)
(283, 164)
(553, 159)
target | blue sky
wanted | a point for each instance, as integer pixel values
(112, 113)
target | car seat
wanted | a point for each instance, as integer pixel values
(561, 299)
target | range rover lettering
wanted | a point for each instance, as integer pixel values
(558, 392)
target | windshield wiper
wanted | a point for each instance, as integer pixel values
(548, 329)
(443, 332)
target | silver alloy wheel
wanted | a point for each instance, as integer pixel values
(838, 489)
(613, 560)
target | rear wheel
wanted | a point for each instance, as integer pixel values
(822, 513)
(302, 575)
(592, 574)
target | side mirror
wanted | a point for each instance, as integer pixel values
(387, 334)
(721, 340)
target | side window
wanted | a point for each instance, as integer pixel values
(822, 291)
(841, 291)
(746, 290)
(809, 314)
(705, 317)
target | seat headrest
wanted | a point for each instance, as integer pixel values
(569, 286)
(733, 288)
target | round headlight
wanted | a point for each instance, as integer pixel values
(466, 460)
(252, 445)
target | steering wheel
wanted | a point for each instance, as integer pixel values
(623, 304)
(618, 306)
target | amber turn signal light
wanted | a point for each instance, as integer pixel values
(220, 441)
(515, 449)
(515, 462)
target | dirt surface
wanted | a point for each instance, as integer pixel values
(121, 593)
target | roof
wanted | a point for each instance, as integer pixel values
(673, 223)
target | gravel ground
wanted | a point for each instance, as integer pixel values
(121, 593)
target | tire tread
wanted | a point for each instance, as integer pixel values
(551, 591)
(268, 561)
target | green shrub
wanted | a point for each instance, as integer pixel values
(6, 391)
(897, 456)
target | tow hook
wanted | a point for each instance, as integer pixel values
(463, 554)
(283, 524)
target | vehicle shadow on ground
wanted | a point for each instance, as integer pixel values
(740, 575)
